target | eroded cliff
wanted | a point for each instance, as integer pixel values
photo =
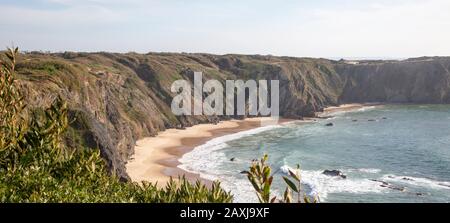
(116, 99)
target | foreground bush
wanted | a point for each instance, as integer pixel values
(35, 166)
(261, 178)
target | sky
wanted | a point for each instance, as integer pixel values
(314, 28)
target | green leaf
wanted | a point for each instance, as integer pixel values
(290, 184)
(254, 184)
(266, 189)
(306, 200)
(267, 172)
(265, 158)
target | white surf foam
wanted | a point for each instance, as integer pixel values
(205, 159)
(334, 114)
(321, 185)
(365, 108)
(363, 170)
(417, 181)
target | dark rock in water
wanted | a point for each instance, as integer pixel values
(329, 124)
(419, 194)
(388, 185)
(233, 159)
(444, 185)
(380, 181)
(384, 118)
(408, 179)
(393, 187)
(397, 188)
(371, 120)
(355, 120)
(334, 173)
(243, 172)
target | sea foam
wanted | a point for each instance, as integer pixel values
(417, 181)
(321, 185)
(205, 159)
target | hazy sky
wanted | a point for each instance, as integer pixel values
(315, 28)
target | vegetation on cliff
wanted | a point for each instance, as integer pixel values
(35, 166)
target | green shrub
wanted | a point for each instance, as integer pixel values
(35, 166)
(261, 179)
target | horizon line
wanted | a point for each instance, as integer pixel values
(335, 58)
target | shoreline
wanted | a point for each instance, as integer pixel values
(156, 159)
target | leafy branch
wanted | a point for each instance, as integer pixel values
(261, 179)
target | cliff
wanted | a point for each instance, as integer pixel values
(421, 80)
(116, 99)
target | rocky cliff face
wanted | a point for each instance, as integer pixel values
(424, 80)
(116, 99)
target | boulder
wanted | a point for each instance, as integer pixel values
(390, 186)
(334, 173)
(329, 124)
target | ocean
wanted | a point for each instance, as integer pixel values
(403, 146)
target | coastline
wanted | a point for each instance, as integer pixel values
(156, 159)
(344, 108)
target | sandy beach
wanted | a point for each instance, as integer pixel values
(156, 158)
(342, 108)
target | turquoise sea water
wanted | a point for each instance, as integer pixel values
(406, 146)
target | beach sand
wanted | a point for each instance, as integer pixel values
(342, 108)
(156, 158)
